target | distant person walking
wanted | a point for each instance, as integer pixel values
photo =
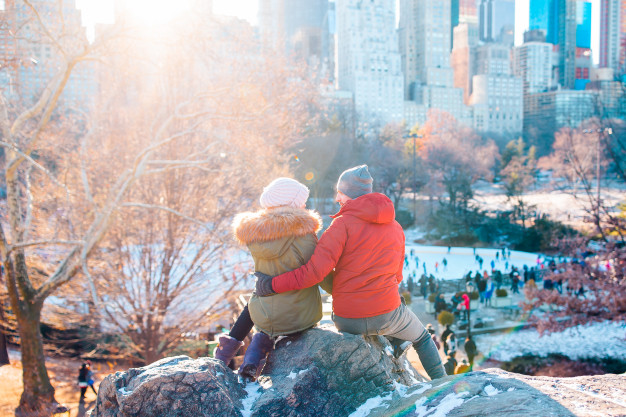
(451, 363)
(515, 282)
(85, 380)
(470, 350)
(445, 264)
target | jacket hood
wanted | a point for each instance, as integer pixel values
(372, 208)
(274, 224)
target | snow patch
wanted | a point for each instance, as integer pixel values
(254, 391)
(124, 391)
(598, 340)
(449, 403)
(411, 372)
(389, 351)
(510, 389)
(369, 405)
(490, 390)
(292, 375)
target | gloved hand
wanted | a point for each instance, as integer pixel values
(263, 285)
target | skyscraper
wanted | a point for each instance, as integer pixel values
(425, 47)
(613, 34)
(299, 27)
(368, 60)
(583, 24)
(544, 15)
(496, 94)
(465, 40)
(462, 11)
(567, 43)
(532, 62)
(35, 57)
(497, 21)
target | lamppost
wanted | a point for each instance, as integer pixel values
(598, 132)
(414, 137)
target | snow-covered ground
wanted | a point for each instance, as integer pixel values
(461, 260)
(567, 206)
(599, 340)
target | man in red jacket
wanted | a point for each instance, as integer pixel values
(364, 245)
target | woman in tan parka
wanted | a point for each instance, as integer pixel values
(281, 237)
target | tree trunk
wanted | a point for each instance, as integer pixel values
(38, 392)
(4, 353)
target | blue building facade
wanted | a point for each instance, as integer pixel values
(544, 15)
(583, 24)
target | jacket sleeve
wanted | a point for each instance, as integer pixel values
(399, 273)
(324, 259)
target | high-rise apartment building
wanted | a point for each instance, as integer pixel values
(35, 58)
(496, 96)
(368, 59)
(462, 11)
(567, 24)
(425, 47)
(546, 113)
(9, 60)
(532, 62)
(583, 24)
(613, 35)
(461, 58)
(299, 27)
(544, 15)
(497, 21)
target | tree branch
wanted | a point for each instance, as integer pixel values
(169, 210)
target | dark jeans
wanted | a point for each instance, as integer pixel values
(242, 326)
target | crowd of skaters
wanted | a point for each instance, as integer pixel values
(481, 281)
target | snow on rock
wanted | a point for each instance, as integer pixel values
(491, 390)
(598, 340)
(365, 409)
(254, 391)
(323, 373)
(449, 403)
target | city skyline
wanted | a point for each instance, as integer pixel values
(101, 12)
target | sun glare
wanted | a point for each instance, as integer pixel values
(156, 11)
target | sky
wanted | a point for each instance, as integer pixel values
(95, 11)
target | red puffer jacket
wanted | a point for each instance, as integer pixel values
(365, 246)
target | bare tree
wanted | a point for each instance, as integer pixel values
(594, 288)
(71, 177)
(519, 173)
(579, 159)
(455, 156)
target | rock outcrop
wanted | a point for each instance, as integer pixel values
(326, 373)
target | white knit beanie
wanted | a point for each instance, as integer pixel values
(284, 192)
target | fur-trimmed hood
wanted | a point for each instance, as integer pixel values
(275, 223)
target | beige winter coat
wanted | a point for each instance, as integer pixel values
(280, 240)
